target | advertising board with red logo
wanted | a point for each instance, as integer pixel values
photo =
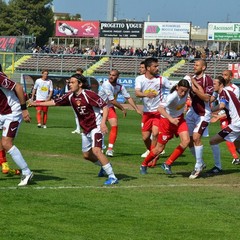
(235, 68)
(88, 29)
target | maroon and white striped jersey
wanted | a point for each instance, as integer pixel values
(9, 102)
(87, 106)
(234, 88)
(232, 105)
(199, 106)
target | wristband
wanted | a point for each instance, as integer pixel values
(23, 106)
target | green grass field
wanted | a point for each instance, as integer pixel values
(67, 200)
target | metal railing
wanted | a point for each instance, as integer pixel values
(64, 65)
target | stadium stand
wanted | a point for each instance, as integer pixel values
(174, 68)
(55, 63)
(214, 68)
(126, 65)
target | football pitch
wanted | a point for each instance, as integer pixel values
(66, 200)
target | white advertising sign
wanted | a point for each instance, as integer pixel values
(224, 31)
(167, 30)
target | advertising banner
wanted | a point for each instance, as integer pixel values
(88, 29)
(167, 30)
(8, 44)
(235, 68)
(224, 31)
(121, 29)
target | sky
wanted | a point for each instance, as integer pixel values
(199, 13)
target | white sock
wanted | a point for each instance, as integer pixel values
(199, 154)
(216, 155)
(109, 171)
(19, 160)
(77, 124)
(110, 145)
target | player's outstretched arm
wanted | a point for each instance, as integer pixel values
(47, 103)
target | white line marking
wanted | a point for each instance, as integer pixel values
(119, 186)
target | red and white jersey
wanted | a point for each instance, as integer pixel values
(234, 88)
(9, 102)
(174, 105)
(158, 85)
(43, 87)
(87, 106)
(232, 104)
(199, 106)
(108, 92)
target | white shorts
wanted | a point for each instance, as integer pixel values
(196, 123)
(92, 139)
(10, 123)
(230, 133)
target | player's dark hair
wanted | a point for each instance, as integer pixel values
(82, 80)
(45, 70)
(149, 61)
(181, 83)
(79, 70)
(1, 67)
(221, 80)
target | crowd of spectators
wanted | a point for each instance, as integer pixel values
(168, 51)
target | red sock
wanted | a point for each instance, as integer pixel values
(232, 149)
(2, 157)
(151, 147)
(39, 117)
(176, 153)
(148, 159)
(113, 135)
(44, 118)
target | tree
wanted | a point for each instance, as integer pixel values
(32, 17)
(4, 16)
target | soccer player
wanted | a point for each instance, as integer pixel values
(43, 88)
(109, 92)
(199, 114)
(171, 123)
(222, 117)
(13, 110)
(92, 112)
(3, 160)
(230, 103)
(151, 88)
(77, 130)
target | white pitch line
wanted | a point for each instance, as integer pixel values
(120, 186)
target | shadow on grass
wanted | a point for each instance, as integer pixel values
(125, 178)
(224, 172)
(124, 154)
(205, 174)
(39, 176)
